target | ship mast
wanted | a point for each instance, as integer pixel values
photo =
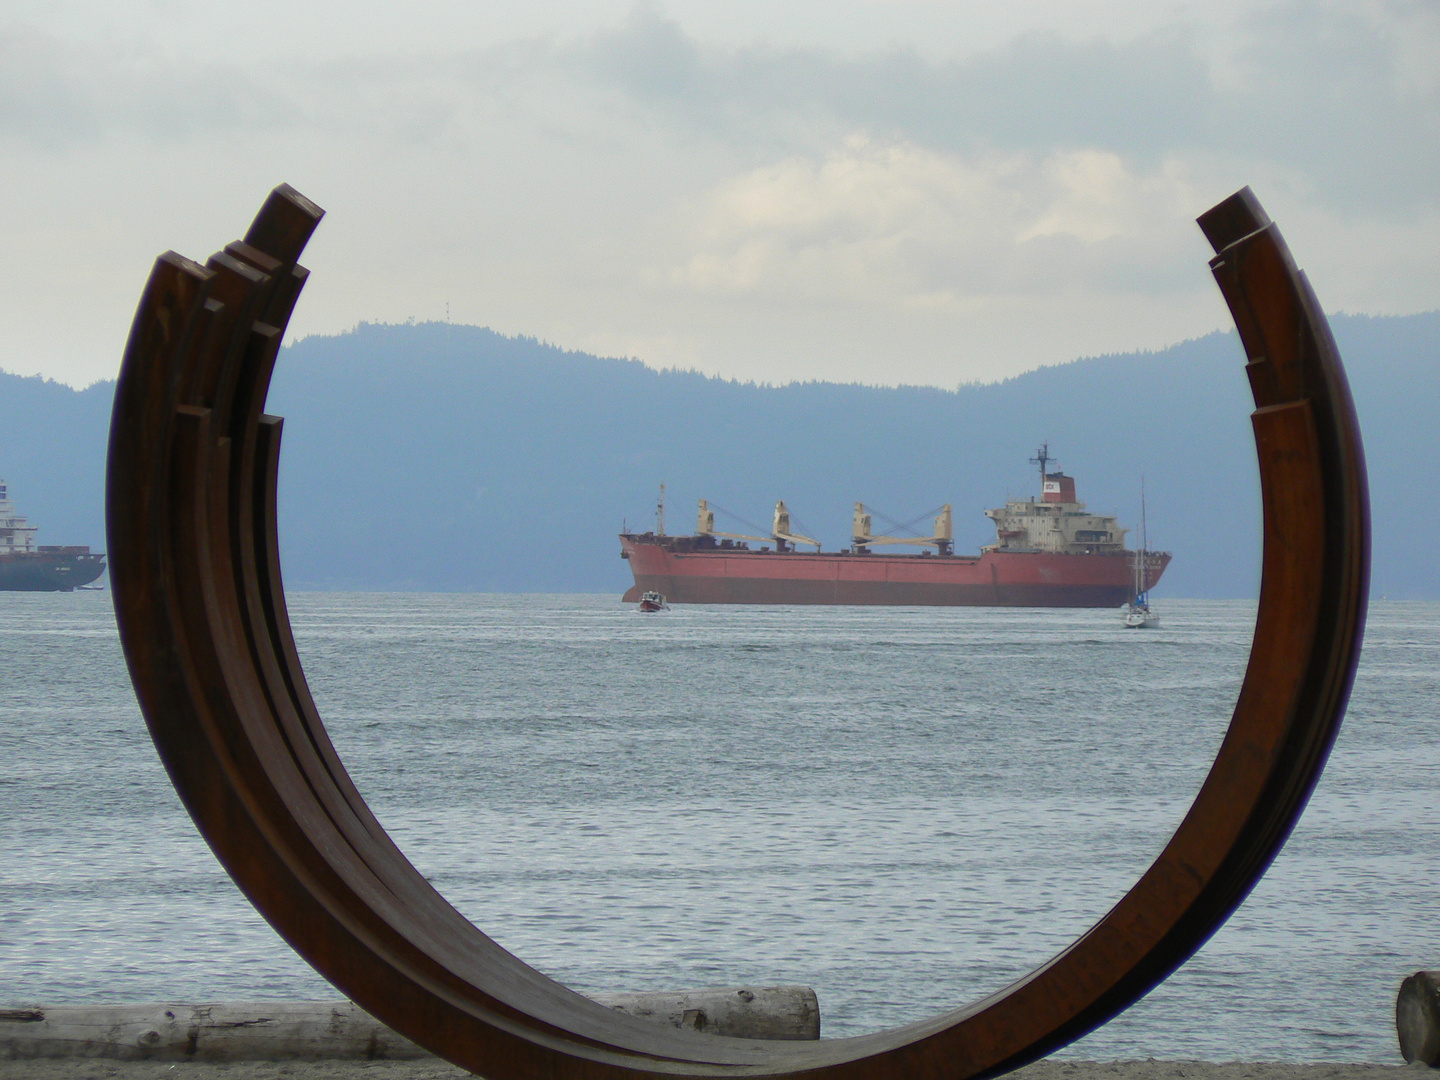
(1042, 456)
(660, 512)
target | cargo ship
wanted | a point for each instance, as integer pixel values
(1048, 552)
(26, 567)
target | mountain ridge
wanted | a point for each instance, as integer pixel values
(439, 457)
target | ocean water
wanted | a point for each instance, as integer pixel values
(903, 808)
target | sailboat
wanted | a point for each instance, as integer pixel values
(1139, 615)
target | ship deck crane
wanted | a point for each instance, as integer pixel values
(864, 537)
(780, 534)
(781, 531)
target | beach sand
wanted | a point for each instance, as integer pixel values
(103, 1069)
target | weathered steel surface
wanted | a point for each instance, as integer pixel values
(201, 607)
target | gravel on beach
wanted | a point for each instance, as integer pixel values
(107, 1069)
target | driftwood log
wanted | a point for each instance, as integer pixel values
(1417, 1018)
(322, 1030)
(195, 574)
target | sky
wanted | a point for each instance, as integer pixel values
(878, 191)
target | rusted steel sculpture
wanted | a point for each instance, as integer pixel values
(196, 577)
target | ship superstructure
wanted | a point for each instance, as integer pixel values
(29, 567)
(1057, 522)
(1048, 552)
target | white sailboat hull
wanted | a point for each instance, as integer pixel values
(1141, 620)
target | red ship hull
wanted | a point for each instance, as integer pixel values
(689, 574)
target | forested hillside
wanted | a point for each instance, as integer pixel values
(448, 457)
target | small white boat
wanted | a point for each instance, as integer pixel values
(653, 601)
(1138, 616)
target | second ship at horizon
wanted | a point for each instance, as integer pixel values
(1048, 553)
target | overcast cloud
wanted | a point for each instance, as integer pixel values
(771, 201)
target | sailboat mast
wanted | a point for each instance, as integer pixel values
(1144, 542)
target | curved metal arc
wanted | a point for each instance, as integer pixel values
(195, 567)
(291, 840)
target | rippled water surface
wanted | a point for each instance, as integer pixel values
(903, 808)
